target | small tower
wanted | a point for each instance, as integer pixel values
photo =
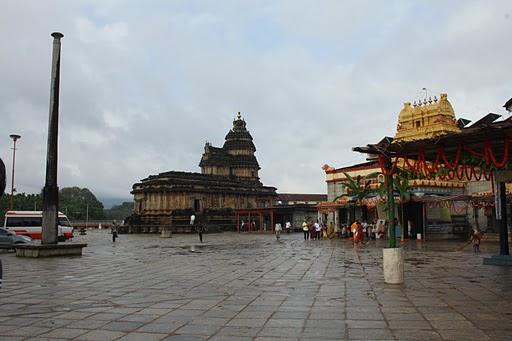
(426, 119)
(236, 158)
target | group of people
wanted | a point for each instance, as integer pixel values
(278, 228)
(252, 227)
(360, 232)
(316, 230)
(363, 231)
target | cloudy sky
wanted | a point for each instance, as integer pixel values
(144, 84)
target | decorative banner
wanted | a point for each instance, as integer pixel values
(455, 169)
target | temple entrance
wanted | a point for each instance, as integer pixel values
(197, 205)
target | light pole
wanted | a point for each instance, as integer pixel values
(14, 137)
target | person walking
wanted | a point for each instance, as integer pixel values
(200, 230)
(114, 231)
(353, 228)
(318, 230)
(365, 229)
(288, 226)
(278, 229)
(305, 229)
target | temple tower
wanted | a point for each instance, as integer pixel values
(426, 119)
(236, 158)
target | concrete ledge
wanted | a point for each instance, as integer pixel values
(498, 260)
(49, 250)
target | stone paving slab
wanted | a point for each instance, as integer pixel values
(252, 287)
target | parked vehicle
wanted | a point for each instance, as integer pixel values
(29, 223)
(9, 239)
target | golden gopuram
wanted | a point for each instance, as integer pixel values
(426, 119)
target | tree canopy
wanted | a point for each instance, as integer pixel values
(77, 203)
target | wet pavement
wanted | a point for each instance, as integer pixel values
(251, 287)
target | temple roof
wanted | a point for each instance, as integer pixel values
(426, 119)
(178, 180)
(237, 152)
(301, 197)
(473, 137)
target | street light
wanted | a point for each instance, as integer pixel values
(14, 137)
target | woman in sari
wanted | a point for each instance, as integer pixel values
(330, 231)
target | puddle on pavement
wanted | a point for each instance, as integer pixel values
(416, 261)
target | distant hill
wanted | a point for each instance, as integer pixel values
(120, 212)
(109, 202)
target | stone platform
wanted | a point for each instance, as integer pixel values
(49, 250)
(498, 260)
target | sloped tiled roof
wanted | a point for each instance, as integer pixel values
(301, 197)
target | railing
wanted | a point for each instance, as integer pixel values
(95, 225)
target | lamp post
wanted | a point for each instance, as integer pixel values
(14, 137)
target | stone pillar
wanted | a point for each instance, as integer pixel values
(393, 265)
(501, 177)
(51, 191)
(391, 211)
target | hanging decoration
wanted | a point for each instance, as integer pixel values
(451, 169)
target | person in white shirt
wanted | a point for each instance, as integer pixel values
(288, 226)
(317, 230)
(278, 228)
(365, 229)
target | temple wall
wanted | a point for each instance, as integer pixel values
(158, 203)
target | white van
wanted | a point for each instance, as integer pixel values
(29, 223)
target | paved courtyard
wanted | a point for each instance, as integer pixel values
(251, 287)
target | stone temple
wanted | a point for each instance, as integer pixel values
(228, 180)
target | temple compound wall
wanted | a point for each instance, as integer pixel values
(228, 180)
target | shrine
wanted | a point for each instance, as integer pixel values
(228, 181)
(448, 195)
(478, 152)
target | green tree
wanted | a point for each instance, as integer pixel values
(77, 202)
(401, 186)
(403, 190)
(120, 212)
(358, 188)
(21, 202)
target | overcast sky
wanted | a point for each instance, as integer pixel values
(144, 84)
